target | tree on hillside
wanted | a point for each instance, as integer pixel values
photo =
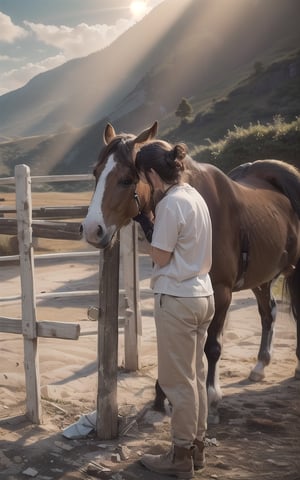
(184, 110)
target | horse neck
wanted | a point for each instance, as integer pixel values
(192, 173)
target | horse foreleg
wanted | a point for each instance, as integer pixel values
(213, 349)
(267, 310)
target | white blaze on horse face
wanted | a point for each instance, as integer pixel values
(94, 218)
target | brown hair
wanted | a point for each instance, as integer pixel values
(166, 160)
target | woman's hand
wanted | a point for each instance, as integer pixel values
(146, 224)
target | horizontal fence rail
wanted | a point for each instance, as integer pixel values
(50, 179)
(30, 328)
(70, 293)
(53, 256)
(44, 229)
(51, 212)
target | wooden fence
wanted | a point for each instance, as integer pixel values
(25, 227)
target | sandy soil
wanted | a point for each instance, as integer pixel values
(258, 434)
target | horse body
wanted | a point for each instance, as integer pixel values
(247, 214)
(255, 239)
(255, 212)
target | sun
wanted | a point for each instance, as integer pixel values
(138, 9)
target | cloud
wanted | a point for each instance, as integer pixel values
(8, 31)
(4, 58)
(16, 78)
(80, 40)
(70, 42)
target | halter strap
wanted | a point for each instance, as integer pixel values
(137, 201)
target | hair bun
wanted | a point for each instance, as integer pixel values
(180, 150)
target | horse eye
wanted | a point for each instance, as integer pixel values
(126, 182)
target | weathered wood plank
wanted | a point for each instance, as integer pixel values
(67, 331)
(10, 325)
(107, 407)
(58, 230)
(48, 329)
(31, 364)
(52, 212)
(133, 324)
(53, 256)
(44, 229)
(50, 179)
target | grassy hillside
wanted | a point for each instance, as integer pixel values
(258, 97)
(258, 119)
(276, 140)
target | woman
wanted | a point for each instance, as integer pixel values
(181, 249)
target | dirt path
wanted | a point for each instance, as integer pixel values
(258, 436)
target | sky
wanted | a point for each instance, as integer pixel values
(37, 35)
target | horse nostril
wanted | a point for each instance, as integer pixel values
(100, 231)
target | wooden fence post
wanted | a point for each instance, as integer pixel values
(29, 326)
(107, 406)
(133, 324)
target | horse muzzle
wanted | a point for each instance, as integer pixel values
(97, 236)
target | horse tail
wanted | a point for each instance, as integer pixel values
(288, 182)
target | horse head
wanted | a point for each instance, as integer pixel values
(119, 194)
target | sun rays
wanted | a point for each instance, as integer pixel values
(138, 9)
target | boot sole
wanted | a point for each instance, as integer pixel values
(172, 473)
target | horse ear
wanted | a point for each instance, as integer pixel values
(147, 134)
(108, 134)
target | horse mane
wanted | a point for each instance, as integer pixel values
(117, 143)
(282, 176)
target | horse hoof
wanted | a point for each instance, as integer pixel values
(255, 377)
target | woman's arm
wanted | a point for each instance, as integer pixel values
(160, 257)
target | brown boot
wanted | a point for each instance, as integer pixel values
(199, 454)
(177, 462)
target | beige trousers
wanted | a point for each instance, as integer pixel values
(181, 324)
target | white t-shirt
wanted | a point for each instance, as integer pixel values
(183, 226)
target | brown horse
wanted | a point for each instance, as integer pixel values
(255, 212)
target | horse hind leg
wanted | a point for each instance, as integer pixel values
(213, 348)
(267, 310)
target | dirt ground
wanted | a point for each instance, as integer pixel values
(258, 436)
